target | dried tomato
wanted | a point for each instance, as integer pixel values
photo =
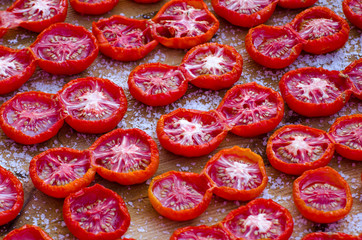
(200, 232)
(329, 236)
(293, 4)
(354, 72)
(28, 232)
(352, 9)
(8, 20)
(93, 7)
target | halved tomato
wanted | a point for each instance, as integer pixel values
(293, 4)
(352, 9)
(123, 39)
(8, 20)
(183, 24)
(93, 7)
(31, 117)
(329, 236)
(28, 232)
(251, 109)
(212, 66)
(200, 232)
(236, 174)
(126, 156)
(180, 196)
(354, 72)
(315, 92)
(93, 105)
(64, 48)
(322, 195)
(293, 149)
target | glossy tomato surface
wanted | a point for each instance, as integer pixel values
(96, 213)
(251, 109)
(190, 133)
(354, 72)
(347, 133)
(260, 219)
(64, 48)
(93, 105)
(123, 39)
(11, 196)
(126, 156)
(184, 24)
(293, 4)
(31, 117)
(315, 92)
(352, 9)
(180, 196)
(157, 84)
(293, 149)
(236, 174)
(58, 172)
(17, 66)
(322, 195)
(8, 20)
(93, 7)
(329, 236)
(212, 66)
(28, 232)
(200, 232)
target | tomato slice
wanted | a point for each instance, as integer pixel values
(126, 156)
(323, 30)
(251, 109)
(212, 66)
(64, 48)
(93, 7)
(31, 117)
(190, 133)
(8, 20)
(236, 174)
(17, 66)
(28, 232)
(184, 24)
(180, 196)
(93, 105)
(315, 92)
(245, 13)
(329, 236)
(96, 213)
(157, 84)
(293, 149)
(200, 232)
(354, 72)
(259, 219)
(293, 4)
(322, 195)
(58, 172)
(11, 196)
(273, 46)
(352, 9)
(347, 133)
(123, 39)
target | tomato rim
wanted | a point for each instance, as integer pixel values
(329, 236)
(215, 228)
(353, 17)
(28, 228)
(294, 4)
(96, 8)
(357, 92)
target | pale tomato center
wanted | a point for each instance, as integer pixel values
(350, 135)
(124, 36)
(37, 10)
(356, 6)
(318, 27)
(247, 7)
(8, 194)
(9, 66)
(356, 76)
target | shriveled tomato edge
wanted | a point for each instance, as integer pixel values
(214, 82)
(95, 8)
(315, 109)
(323, 44)
(160, 99)
(341, 149)
(185, 150)
(268, 203)
(96, 126)
(119, 53)
(128, 178)
(12, 83)
(63, 190)
(353, 17)
(74, 226)
(184, 42)
(28, 228)
(313, 214)
(273, 62)
(4, 22)
(294, 4)
(244, 20)
(38, 26)
(232, 193)
(298, 168)
(19, 136)
(215, 228)
(146, 1)
(329, 236)
(187, 214)
(356, 92)
(68, 67)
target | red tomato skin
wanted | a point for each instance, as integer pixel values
(128, 178)
(202, 228)
(313, 214)
(316, 109)
(232, 193)
(323, 44)
(357, 64)
(329, 236)
(294, 4)
(119, 53)
(68, 67)
(244, 20)
(19, 136)
(96, 8)
(210, 81)
(8, 20)
(12, 83)
(31, 229)
(95, 126)
(10, 214)
(353, 17)
(63, 190)
(146, 1)
(297, 168)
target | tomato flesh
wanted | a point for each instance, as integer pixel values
(8, 194)
(246, 6)
(354, 72)
(353, 11)
(28, 232)
(36, 10)
(200, 232)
